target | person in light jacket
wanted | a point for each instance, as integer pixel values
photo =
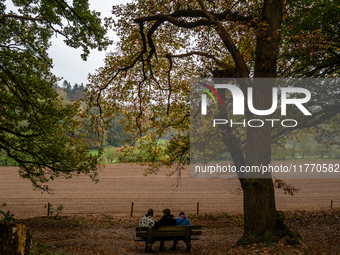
(181, 220)
(147, 220)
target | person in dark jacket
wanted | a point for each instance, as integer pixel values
(166, 220)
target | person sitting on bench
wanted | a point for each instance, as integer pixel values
(181, 220)
(147, 220)
(166, 220)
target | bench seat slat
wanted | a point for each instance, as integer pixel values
(140, 239)
(170, 228)
(156, 234)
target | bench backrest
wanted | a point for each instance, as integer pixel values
(165, 231)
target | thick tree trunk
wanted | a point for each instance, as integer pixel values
(262, 222)
(260, 215)
(15, 239)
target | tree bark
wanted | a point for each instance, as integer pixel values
(15, 239)
(262, 222)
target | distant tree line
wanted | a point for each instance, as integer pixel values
(307, 147)
(72, 93)
(112, 137)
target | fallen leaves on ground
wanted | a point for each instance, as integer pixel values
(109, 234)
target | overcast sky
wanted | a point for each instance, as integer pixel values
(67, 61)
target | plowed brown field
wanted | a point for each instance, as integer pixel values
(121, 184)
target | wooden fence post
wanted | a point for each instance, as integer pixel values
(198, 208)
(48, 209)
(131, 209)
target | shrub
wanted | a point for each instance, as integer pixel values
(109, 153)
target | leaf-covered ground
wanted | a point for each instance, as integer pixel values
(107, 234)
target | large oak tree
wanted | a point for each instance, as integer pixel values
(163, 44)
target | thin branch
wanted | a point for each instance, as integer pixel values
(149, 36)
(199, 53)
(19, 134)
(75, 14)
(174, 21)
(322, 67)
(226, 38)
(21, 17)
(31, 45)
(310, 121)
(168, 56)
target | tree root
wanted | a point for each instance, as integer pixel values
(268, 238)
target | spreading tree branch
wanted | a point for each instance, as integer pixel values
(316, 119)
(226, 38)
(5, 16)
(203, 54)
(225, 16)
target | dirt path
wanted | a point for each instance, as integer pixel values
(121, 184)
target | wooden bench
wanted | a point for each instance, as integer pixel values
(167, 233)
